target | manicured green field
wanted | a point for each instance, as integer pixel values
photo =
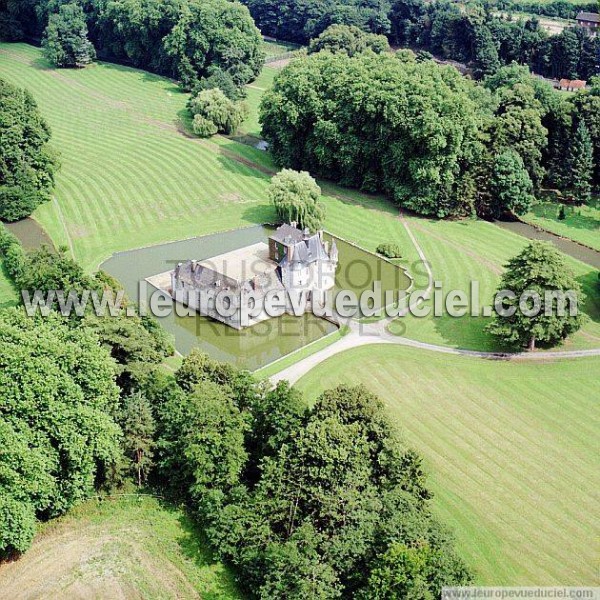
(581, 223)
(473, 250)
(129, 178)
(255, 91)
(511, 449)
(128, 547)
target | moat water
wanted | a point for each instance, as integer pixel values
(265, 342)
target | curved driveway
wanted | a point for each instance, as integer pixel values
(377, 333)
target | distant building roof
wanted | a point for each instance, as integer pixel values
(578, 84)
(588, 16)
(564, 83)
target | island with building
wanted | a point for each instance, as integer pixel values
(297, 266)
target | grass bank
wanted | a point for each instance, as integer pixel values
(128, 547)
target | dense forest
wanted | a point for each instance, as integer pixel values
(185, 39)
(437, 143)
(475, 36)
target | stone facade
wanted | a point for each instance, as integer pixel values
(298, 265)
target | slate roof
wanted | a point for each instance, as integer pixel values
(307, 251)
(286, 234)
(247, 269)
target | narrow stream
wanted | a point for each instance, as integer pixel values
(30, 233)
(586, 255)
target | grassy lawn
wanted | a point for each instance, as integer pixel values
(129, 547)
(477, 250)
(294, 357)
(581, 223)
(511, 449)
(254, 92)
(129, 178)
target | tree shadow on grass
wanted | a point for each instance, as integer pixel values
(184, 123)
(260, 214)
(195, 546)
(468, 333)
(146, 76)
(42, 64)
(590, 283)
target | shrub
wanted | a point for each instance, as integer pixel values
(17, 525)
(389, 250)
(203, 127)
(215, 108)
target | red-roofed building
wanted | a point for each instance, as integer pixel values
(569, 85)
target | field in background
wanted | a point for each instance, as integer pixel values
(511, 450)
(255, 90)
(131, 547)
(581, 223)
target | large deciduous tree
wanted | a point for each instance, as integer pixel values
(58, 436)
(538, 270)
(379, 124)
(518, 126)
(27, 164)
(348, 39)
(215, 33)
(66, 42)
(296, 197)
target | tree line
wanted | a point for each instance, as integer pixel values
(435, 142)
(65, 388)
(476, 36)
(185, 39)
